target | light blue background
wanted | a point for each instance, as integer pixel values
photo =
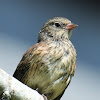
(21, 21)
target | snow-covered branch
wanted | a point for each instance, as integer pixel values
(14, 90)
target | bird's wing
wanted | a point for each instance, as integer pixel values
(24, 64)
(38, 55)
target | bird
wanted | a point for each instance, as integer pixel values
(49, 65)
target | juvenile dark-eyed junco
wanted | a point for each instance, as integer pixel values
(49, 65)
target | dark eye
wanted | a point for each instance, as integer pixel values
(57, 24)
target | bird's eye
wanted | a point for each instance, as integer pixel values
(57, 24)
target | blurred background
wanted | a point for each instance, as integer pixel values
(21, 21)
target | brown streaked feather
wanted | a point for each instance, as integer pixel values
(24, 64)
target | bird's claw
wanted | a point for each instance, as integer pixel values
(45, 98)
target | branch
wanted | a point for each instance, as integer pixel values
(15, 90)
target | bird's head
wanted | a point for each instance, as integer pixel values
(57, 28)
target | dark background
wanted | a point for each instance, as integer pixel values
(21, 21)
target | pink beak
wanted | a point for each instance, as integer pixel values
(71, 26)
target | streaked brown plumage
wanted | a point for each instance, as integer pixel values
(49, 65)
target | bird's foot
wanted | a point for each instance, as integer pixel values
(45, 98)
